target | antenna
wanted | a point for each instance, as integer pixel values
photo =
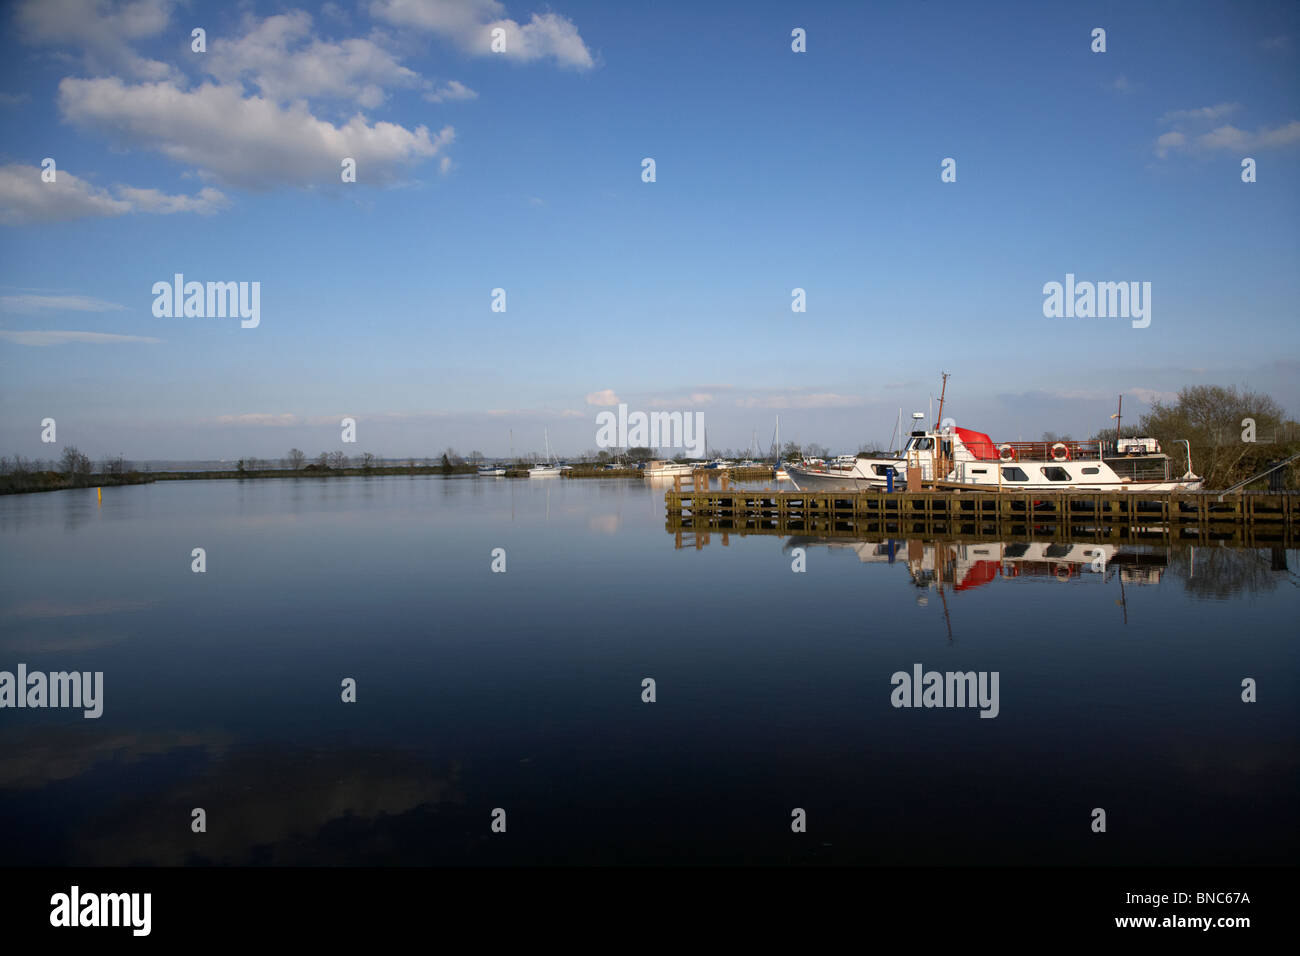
(943, 391)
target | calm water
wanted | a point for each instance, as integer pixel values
(1118, 689)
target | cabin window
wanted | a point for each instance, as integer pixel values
(882, 470)
(1018, 550)
(1012, 473)
(1092, 471)
(1057, 550)
(1053, 473)
(979, 471)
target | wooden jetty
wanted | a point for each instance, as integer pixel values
(1266, 519)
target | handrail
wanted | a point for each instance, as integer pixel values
(1242, 484)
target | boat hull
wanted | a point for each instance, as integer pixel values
(805, 480)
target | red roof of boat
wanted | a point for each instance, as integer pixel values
(981, 573)
(980, 444)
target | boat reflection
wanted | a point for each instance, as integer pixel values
(963, 566)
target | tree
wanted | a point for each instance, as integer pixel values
(338, 460)
(367, 461)
(295, 458)
(1210, 417)
(323, 460)
(75, 465)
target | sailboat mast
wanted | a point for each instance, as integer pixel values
(942, 392)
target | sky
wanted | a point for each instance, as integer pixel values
(522, 169)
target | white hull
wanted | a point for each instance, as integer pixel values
(667, 471)
(865, 474)
(491, 472)
(543, 472)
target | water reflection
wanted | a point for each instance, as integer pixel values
(265, 804)
(1217, 572)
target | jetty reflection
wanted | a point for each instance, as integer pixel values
(1217, 571)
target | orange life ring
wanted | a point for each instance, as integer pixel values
(1061, 572)
(1006, 452)
(1065, 452)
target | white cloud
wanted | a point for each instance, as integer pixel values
(1226, 137)
(102, 30)
(249, 141)
(452, 90)
(1168, 141)
(814, 400)
(38, 338)
(469, 23)
(604, 397)
(262, 419)
(25, 198)
(1203, 113)
(281, 57)
(1280, 136)
(207, 201)
(56, 303)
(695, 398)
(1150, 395)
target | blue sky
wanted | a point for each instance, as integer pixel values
(522, 170)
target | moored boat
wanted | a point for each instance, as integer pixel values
(547, 469)
(665, 469)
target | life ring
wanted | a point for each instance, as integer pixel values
(1061, 572)
(1065, 452)
(1006, 452)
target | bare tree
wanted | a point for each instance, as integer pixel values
(75, 465)
(338, 460)
(295, 458)
(367, 460)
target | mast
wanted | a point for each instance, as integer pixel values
(1116, 416)
(942, 391)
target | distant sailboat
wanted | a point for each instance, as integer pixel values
(779, 472)
(549, 469)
